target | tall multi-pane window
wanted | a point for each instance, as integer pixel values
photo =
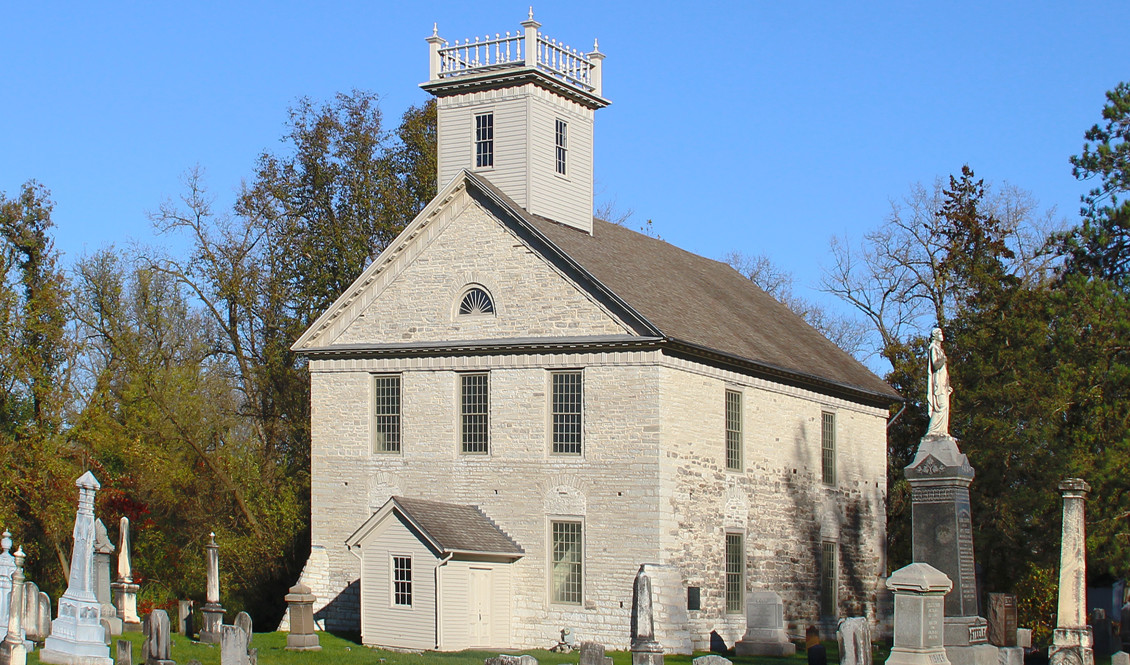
(402, 581)
(733, 430)
(828, 579)
(386, 414)
(561, 140)
(828, 447)
(566, 412)
(484, 140)
(735, 573)
(474, 407)
(567, 545)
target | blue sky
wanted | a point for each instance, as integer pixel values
(762, 127)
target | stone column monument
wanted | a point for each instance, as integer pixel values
(103, 548)
(645, 650)
(213, 612)
(300, 604)
(77, 635)
(942, 525)
(7, 569)
(125, 591)
(13, 651)
(1072, 640)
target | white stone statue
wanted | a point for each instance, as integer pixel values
(938, 388)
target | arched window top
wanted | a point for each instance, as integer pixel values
(476, 301)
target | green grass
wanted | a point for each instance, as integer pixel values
(336, 649)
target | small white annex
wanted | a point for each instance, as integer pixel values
(437, 576)
(516, 405)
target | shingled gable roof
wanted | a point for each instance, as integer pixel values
(448, 527)
(705, 305)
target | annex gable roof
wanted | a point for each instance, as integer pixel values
(446, 527)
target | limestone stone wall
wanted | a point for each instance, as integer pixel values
(531, 298)
(778, 500)
(651, 486)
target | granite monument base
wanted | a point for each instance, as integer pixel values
(1010, 656)
(744, 648)
(302, 642)
(648, 657)
(213, 624)
(1071, 646)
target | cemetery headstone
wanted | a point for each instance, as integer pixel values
(103, 548)
(158, 639)
(1002, 619)
(77, 634)
(765, 627)
(13, 651)
(1102, 633)
(1072, 641)
(124, 653)
(43, 622)
(592, 653)
(645, 649)
(1024, 638)
(243, 621)
(854, 637)
(212, 610)
(300, 607)
(29, 622)
(233, 646)
(920, 591)
(184, 618)
(7, 567)
(107, 637)
(712, 659)
(124, 590)
(1120, 658)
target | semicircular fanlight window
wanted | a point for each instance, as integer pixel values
(476, 301)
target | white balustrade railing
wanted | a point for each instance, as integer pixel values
(480, 54)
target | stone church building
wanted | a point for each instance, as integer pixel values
(516, 405)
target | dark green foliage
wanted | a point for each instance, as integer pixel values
(1100, 246)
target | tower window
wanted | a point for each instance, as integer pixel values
(561, 139)
(484, 140)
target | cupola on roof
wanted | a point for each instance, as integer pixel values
(517, 109)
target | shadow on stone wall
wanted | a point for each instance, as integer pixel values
(342, 615)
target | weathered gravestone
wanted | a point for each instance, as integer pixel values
(184, 618)
(243, 622)
(1120, 658)
(13, 651)
(592, 653)
(300, 608)
(712, 659)
(124, 655)
(854, 637)
(1072, 641)
(1002, 619)
(7, 567)
(765, 627)
(1102, 631)
(77, 635)
(124, 590)
(233, 646)
(1024, 638)
(645, 649)
(507, 659)
(103, 548)
(158, 638)
(920, 591)
(29, 620)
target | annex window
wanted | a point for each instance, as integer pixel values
(484, 140)
(561, 140)
(476, 301)
(733, 430)
(566, 412)
(566, 545)
(735, 573)
(828, 447)
(828, 579)
(386, 414)
(474, 403)
(402, 581)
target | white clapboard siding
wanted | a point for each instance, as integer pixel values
(455, 605)
(381, 623)
(565, 199)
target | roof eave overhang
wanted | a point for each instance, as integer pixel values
(506, 555)
(680, 348)
(506, 77)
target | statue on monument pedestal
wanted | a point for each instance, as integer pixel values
(938, 388)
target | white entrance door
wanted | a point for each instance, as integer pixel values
(480, 606)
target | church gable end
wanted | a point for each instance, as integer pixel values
(477, 280)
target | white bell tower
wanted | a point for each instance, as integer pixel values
(518, 111)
